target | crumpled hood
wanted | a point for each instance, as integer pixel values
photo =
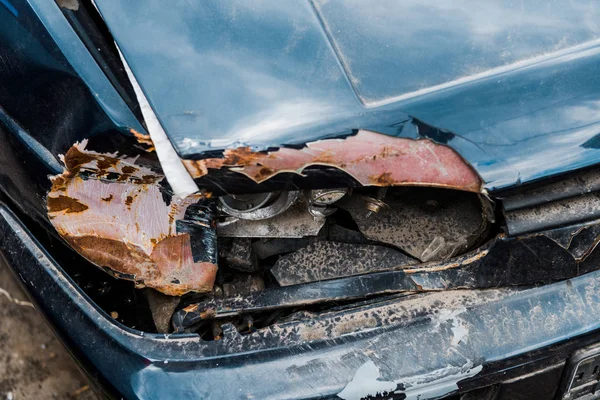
(516, 86)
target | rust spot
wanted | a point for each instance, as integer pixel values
(371, 158)
(327, 158)
(209, 313)
(107, 199)
(111, 253)
(243, 156)
(148, 179)
(128, 169)
(75, 158)
(384, 179)
(128, 201)
(264, 172)
(191, 308)
(143, 139)
(105, 162)
(58, 184)
(65, 203)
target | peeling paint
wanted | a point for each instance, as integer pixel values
(366, 382)
(373, 159)
(114, 213)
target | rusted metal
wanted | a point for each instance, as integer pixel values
(373, 159)
(117, 215)
(144, 140)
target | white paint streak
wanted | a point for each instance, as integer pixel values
(178, 177)
(366, 382)
(439, 382)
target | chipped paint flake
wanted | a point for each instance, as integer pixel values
(372, 158)
(114, 213)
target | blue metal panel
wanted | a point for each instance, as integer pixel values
(518, 86)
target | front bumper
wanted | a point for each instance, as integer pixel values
(434, 344)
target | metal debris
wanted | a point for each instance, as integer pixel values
(376, 203)
(239, 254)
(326, 197)
(327, 260)
(504, 262)
(162, 308)
(320, 200)
(118, 215)
(422, 222)
(259, 206)
(243, 285)
(373, 159)
(296, 222)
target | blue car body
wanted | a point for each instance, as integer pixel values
(514, 89)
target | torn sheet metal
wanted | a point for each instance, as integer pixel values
(373, 159)
(117, 215)
(327, 260)
(503, 262)
(424, 223)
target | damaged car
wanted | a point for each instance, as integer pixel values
(310, 199)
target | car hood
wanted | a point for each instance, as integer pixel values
(515, 87)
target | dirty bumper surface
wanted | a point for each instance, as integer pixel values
(459, 331)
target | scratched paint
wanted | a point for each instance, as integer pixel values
(367, 382)
(373, 159)
(114, 213)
